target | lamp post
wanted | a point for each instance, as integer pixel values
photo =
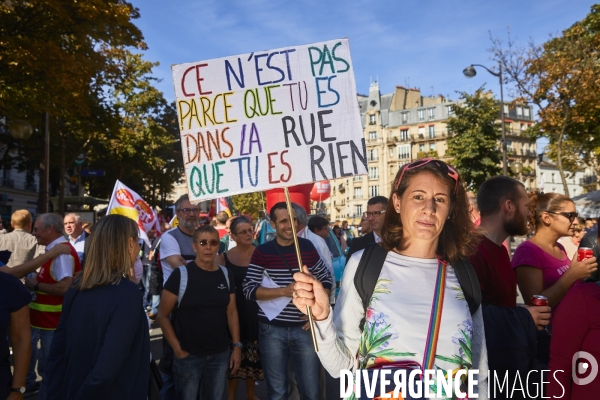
(470, 72)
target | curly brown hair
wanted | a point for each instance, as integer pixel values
(457, 239)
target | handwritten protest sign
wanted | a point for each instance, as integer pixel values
(269, 119)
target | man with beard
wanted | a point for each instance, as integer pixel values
(176, 244)
(504, 208)
(510, 331)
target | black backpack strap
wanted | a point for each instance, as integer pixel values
(469, 283)
(367, 274)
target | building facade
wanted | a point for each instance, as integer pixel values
(548, 178)
(404, 126)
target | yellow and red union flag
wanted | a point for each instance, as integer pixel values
(128, 203)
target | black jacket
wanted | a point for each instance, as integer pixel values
(591, 240)
(511, 341)
(360, 243)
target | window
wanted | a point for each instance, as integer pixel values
(404, 134)
(421, 132)
(431, 132)
(404, 151)
(431, 146)
(373, 172)
(392, 151)
(431, 113)
(372, 119)
(421, 147)
(449, 110)
(391, 135)
(522, 127)
(372, 155)
(519, 111)
(358, 193)
(357, 178)
(358, 209)
(421, 114)
(526, 112)
(404, 116)
(373, 191)
(373, 135)
(506, 109)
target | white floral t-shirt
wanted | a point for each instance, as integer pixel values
(399, 312)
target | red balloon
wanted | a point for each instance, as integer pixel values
(320, 191)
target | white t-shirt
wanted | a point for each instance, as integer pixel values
(168, 247)
(400, 305)
(63, 266)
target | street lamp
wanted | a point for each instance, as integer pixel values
(470, 72)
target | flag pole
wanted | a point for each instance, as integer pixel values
(310, 317)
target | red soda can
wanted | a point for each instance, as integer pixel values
(583, 253)
(538, 300)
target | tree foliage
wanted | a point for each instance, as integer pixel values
(249, 203)
(475, 135)
(77, 61)
(562, 78)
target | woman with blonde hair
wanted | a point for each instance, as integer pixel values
(101, 346)
(541, 263)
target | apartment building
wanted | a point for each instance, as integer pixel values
(549, 180)
(403, 126)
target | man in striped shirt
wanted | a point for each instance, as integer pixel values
(286, 335)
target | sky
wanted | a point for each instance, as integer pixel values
(424, 44)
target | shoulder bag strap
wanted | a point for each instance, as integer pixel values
(182, 284)
(435, 318)
(367, 274)
(469, 283)
(224, 270)
(287, 264)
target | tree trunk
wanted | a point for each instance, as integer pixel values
(62, 172)
(559, 154)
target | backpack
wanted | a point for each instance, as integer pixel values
(371, 263)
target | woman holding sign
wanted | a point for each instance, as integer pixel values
(415, 307)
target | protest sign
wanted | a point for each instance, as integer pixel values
(269, 119)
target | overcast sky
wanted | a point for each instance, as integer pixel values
(424, 44)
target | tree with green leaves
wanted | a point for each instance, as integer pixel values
(474, 144)
(249, 203)
(562, 79)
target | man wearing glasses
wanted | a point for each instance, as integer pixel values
(176, 244)
(375, 214)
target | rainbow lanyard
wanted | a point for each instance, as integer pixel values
(435, 320)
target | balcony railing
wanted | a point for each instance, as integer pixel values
(30, 187)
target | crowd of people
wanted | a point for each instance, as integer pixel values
(429, 283)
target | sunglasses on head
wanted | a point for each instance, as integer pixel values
(569, 215)
(211, 242)
(439, 165)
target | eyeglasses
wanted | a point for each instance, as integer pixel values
(248, 231)
(368, 214)
(189, 210)
(211, 243)
(440, 165)
(569, 215)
